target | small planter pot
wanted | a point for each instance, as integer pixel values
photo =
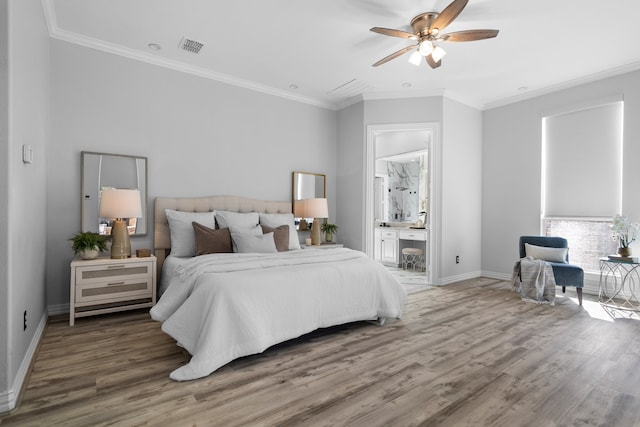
(89, 253)
(624, 251)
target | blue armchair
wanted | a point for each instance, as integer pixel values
(564, 274)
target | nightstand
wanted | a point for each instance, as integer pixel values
(105, 285)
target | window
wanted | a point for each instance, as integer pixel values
(582, 179)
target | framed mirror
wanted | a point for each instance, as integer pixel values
(307, 185)
(100, 171)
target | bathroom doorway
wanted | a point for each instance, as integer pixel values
(401, 220)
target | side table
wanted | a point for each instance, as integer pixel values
(619, 284)
(105, 285)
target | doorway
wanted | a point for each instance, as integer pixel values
(401, 197)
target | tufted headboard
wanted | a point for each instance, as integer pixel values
(161, 235)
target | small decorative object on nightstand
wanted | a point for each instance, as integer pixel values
(106, 285)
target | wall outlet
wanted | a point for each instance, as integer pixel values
(24, 326)
(457, 259)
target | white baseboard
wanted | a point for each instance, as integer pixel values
(9, 398)
(458, 277)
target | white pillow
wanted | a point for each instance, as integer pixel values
(227, 219)
(251, 240)
(276, 220)
(547, 254)
(183, 238)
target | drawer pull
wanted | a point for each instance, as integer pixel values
(115, 283)
(116, 266)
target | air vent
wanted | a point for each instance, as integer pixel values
(350, 88)
(191, 45)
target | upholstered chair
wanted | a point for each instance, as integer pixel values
(565, 274)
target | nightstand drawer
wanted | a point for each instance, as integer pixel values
(112, 291)
(115, 272)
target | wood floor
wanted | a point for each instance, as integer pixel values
(467, 354)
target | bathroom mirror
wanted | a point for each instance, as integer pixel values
(102, 170)
(307, 185)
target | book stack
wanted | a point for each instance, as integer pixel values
(633, 259)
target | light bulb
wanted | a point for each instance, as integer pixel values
(415, 58)
(438, 53)
(425, 48)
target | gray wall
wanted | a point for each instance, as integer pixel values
(24, 78)
(201, 137)
(511, 167)
(460, 207)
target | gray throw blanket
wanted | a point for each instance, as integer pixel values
(533, 279)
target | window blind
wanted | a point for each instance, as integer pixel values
(582, 162)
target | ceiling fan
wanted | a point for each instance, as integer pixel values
(427, 28)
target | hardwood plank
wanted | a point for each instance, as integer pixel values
(467, 354)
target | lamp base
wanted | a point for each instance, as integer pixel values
(120, 242)
(302, 225)
(316, 235)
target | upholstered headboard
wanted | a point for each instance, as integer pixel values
(161, 235)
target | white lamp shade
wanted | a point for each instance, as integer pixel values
(120, 203)
(317, 208)
(300, 209)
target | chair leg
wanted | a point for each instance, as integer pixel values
(579, 290)
(564, 288)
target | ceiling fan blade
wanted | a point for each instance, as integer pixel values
(449, 13)
(394, 33)
(394, 55)
(468, 35)
(433, 64)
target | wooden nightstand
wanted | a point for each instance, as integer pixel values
(105, 285)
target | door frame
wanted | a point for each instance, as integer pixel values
(435, 189)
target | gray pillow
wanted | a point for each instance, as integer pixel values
(183, 238)
(252, 240)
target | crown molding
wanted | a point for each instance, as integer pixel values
(93, 43)
(634, 66)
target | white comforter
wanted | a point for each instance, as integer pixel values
(224, 306)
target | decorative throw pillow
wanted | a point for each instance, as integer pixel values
(545, 253)
(252, 240)
(211, 241)
(280, 235)
(276, 220)
(227, 219)
(183, 239)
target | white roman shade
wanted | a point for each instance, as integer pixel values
(582, 161)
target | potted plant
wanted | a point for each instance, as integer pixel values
(329, 230)
(624, 232)
(88, 244)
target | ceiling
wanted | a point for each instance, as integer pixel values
(320, 52)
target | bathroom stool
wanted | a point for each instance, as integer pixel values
(413, 257)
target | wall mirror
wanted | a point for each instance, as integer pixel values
(101, 171)
(307, 185)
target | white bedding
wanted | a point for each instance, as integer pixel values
(224, 306)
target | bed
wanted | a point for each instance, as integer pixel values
(220, 306)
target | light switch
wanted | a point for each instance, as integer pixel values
(27, 154)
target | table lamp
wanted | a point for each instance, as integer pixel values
(300, 211)
(120, 204)
(316, 209)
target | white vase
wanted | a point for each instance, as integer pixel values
(89, 253)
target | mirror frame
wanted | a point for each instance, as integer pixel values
(83, 193)
(294, 190)
(294, 186)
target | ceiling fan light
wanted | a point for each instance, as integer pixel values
(415, 58)
(425, 48)
(438, 53)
